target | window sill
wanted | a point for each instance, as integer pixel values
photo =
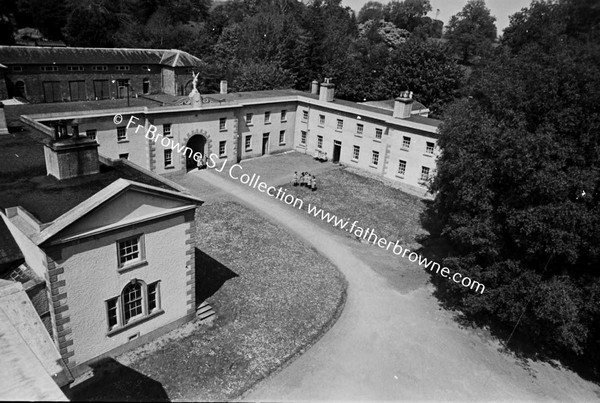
(247, 150)
(122, 141)
(302, 145)
(399, 176)
(373, 166)
(357, 135)
(249, 124)
(131, 266)
(321, 125)
(170, 167)
(404, 149)
(222, 130)
(134, 323)
(377, 140)
(267, 123)
(338, 130)
(354, 160)
(428, 155)
(168, 135)
(281, 144)
(223, 156)
(284, 121)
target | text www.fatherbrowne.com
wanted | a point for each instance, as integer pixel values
(370, 236)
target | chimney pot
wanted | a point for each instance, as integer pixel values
(314, 88)
(223, 86)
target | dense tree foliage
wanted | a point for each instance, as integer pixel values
(518, 182)
(472, 31)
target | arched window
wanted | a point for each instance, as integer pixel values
(20, 87)
(146, 86)
(137, 300)
(132, 300)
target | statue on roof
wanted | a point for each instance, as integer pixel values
(195, 99)
(195, 81)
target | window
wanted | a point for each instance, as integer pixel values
(375, 158)
(146, 86)
(303, 137)
(121, 133)
(355, 152)
(424, 173)
(132, 301)
(248, 143)
(168, 158)
(152, 297)
(405, 142)
(378, 133)
(74, 68)
(223, 124)
(129, 250)
(222, 148)
(48, 68)
(17, 68)
(124, 156)
(401, 167)
(248, 118)
(340, 124)
(267, 117)
(136, 301)
(166, 129)
(319, 142)
(91, 134)
(359, 129)
(304, 115)
(321, 120)
(99, 68)
(283, 115)
(122, 68)
(145, 68)
(111, 313)
(429, 148)
(282, 137)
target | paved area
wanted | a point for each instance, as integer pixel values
(388, 344)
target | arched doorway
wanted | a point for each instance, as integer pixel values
(197, 143)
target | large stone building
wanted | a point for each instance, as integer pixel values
(57, 74)
(389, 139)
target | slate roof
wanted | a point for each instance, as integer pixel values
(24, 180)
(73, 56)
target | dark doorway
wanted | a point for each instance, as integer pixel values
(265, 144)
(20, 86)
(51, 91)
(122, 88)
(198, 145)
(337, 150)
(146, 86)
(101, 89)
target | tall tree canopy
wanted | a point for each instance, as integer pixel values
(518, 184)
(471, 32)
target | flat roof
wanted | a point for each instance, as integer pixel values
(24, 180)
(76, 55)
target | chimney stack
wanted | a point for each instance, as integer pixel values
(314, 89)
(403, 105)
(3, 125)
(223, 86)
(327, 90)
(71, 156)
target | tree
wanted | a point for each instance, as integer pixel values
(260, 76)
(92, 24)
(472, 31)
(407, 14)
(372, 10)
(518, 188)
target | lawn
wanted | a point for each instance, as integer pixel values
(280, 297)
(391, 213)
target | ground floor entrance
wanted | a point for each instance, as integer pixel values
(337, 151)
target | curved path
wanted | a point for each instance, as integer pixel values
(391, 346)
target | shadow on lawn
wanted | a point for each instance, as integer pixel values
(115, 382)
(451, 296)
(210, 275)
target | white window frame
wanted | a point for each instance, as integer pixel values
(360, 128)
(167, 129)
(115, 307)
(321, 120)
(248, 143)
(222, 124)
(303, 137)
(375, 158)
(378, 133)
(401, 168)
(123, 130)
(429, 147)
(92, 134)
(223, 146)
(249, 117)
(425, 172)
(168, 156)
(405, 143)
(319, 142)
(304, 115)
(141, 254)
(340, 124)
(355, 153)
(284, 115)
(282, 137)
(267, 117)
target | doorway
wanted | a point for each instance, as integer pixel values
(337, 150)
(197, 143)
(265, 144)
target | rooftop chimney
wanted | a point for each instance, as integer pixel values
(3, 126)
(327, 90)
(69, 157)
(403, 105)
(314, 88)
(223, 86)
